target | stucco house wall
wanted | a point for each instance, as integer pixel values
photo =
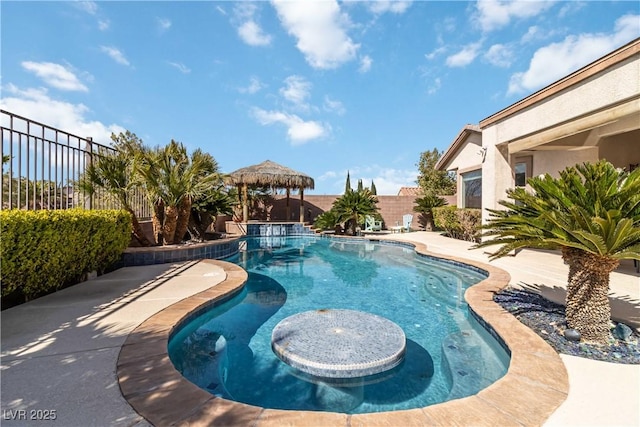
(591, 114)
(550, 162)
(464, 155)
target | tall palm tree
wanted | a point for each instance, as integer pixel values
(592, 213)
(353, 206)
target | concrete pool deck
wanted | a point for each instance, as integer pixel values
(64, 353)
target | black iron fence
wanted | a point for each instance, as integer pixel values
(41, 166)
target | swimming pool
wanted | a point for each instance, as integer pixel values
(227, 349)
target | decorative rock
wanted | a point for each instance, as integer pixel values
(622, 332)
(572, 335)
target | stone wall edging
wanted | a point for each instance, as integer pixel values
(212, 249)
(535, 384)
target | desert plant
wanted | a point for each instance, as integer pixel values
(205, 209)
(327, 220)
(353, 206)
(115, 174)
(173, 180)
(425, 205)
(592, 213)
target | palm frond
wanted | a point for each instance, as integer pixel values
(591, 207)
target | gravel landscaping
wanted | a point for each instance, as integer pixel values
(547, 319)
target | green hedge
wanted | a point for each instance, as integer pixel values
(463, 224)
(42, 251)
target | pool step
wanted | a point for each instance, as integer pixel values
(463, 362)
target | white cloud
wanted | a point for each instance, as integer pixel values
(571, 7)
(333, 106)
(115, 54)
(254, 86)
(499, 55)
(296, 90)
(252, 34)
(37, 105)
(248, 29)
(163, 24)
(464, 57)
(532, 33)
(495, 14)
(556, 60)
(383, 6)
(436, 52)
(90, 7)
(55, 75)
(365, 64)
(387, 180)
(104, 24)
(435, 86)
(298, 130)
(180, 67)
(321, 30)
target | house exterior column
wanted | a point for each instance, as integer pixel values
(497, 175)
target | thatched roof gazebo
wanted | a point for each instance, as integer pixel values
(270, 174)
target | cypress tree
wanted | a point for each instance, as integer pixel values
(374, 191)
(347, 186)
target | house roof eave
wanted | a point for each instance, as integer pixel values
(448, 155)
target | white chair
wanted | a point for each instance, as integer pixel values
(407, 219)
(371, 224)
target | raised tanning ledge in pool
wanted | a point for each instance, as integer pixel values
(339, 343)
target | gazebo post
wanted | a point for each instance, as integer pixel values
(301, 205)
(245, 206)
(270, 174)
(288, 207)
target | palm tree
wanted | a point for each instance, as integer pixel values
(173, 180)
(425, 205)
(114, 173)
(353, 206)
(592, 213)
(327, 220)
(204, 210)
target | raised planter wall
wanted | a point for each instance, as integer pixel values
(214, 249)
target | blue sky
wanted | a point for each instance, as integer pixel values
(321, 87)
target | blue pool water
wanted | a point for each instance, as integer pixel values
(227, 349)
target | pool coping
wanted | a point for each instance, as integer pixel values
(534, 386)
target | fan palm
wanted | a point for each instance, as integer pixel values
(425, 205)
(327, 220)
(592, 213)
(354, 206)
(114, 174)
(173, 180)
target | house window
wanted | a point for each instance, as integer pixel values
(522, 170)
(472, 189)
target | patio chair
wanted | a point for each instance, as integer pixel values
(406, 222)
(370, 224)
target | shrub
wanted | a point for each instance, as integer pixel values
(42, 251)
(463, 224)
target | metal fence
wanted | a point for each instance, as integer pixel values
(41, 166)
